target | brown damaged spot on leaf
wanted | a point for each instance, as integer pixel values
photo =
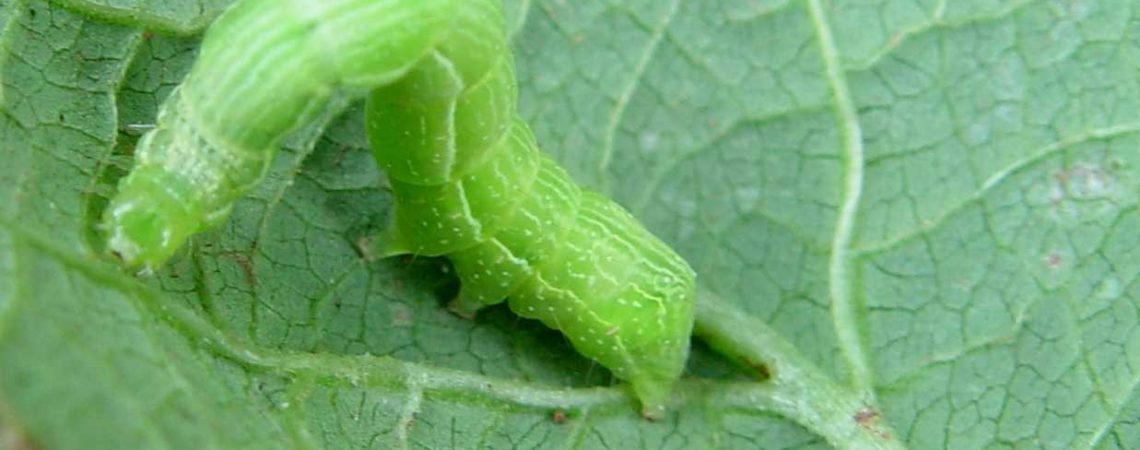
(246, 265)
(12, 438)
(1054, 261)
(763, 371)
(871, 420)
(559, 416)
(866, 416)
(401, 314)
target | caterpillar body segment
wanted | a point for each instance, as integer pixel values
(446, 217)
(265, 68)
(514, 223)
(435, 124)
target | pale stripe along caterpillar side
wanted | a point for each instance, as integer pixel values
(468, 179)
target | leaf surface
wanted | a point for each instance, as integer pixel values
(934, 202)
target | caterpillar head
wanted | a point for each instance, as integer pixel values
(147, 222)
(162, 202)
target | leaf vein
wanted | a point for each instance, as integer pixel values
(630, 87)
(841, 284)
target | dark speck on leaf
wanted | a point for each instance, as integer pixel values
(1054, 261)
(763, 372)
(868, 418)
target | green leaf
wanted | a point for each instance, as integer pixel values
(917, 222)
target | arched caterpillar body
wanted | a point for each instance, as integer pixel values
(264, 68)
(468, 179)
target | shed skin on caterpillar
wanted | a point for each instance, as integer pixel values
(468, 178)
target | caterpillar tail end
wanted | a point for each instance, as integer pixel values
(147, 222)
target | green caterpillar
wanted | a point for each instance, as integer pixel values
(466, 172)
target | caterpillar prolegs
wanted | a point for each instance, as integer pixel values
(468, 179)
